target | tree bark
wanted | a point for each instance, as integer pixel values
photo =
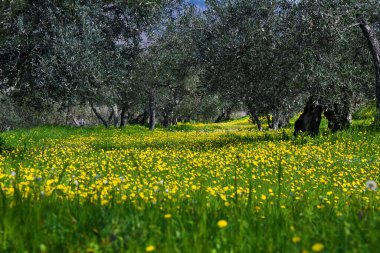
(270, 125)
(105, 123)
(374, 47)
(168, 118)
(339, 117)
(276, 122)
(256, 120)
(123, 116)
(152, 112)
(279, 120)
(221, 117)
(310, 120)
(174, 120)
(67, 113)
(112, 115)
(115, 109)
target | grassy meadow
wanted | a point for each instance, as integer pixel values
(190, 188)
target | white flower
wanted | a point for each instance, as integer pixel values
(13, 174)
(76, 182)
(371, 185)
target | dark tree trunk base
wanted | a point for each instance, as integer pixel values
(123, 116)
(337, 119)
(310, 119)
(256, 119)
(152, 112)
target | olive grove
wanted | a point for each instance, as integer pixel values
(167, 61)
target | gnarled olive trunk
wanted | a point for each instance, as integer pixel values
(310, 119)
(123, 116)
(168, 118)
(279, 120)
(374, 47)
(113, 116)
(174, 120)
(256, 119)
(337, 120)
(152, 112)
(269, 122)
(116, 116)
(225, 115)
(105, 123)
(168, 115)
(339, 114)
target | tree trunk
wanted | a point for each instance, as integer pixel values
(174, 120)
(112, 115)
(221, 117)
(256, 120)
(225, 115)
(152, 112)
(166, 121)
(123, 116)
(168, 117)
(115, 116)
(279, 120)
(276, 122)
(105, 123)
(270, 125)
(339, 117)
(374, 47)
(310, 120)
(228, 113)
(67, 113)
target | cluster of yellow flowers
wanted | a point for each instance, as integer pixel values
(161, 167)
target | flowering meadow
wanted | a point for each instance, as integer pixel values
(191, 188)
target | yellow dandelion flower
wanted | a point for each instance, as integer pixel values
(222, 223)
(317, 247)
(150, 248)
(263, 197)
(296, 239)
(167, 216)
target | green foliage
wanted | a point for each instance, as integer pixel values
(366, 112)
(266, 57)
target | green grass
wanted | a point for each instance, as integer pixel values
(196, 158)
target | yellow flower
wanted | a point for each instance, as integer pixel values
(222, 223)
(296, 239)
(263, 197)
(167, 216)
(150, 248)
(317, 247)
